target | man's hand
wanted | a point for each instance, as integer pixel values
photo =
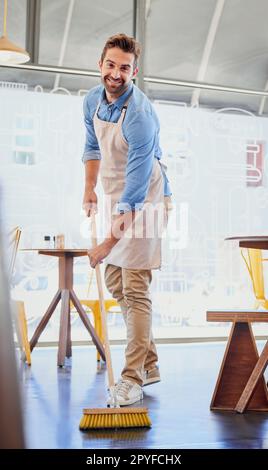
(90, 202)
(97, 254)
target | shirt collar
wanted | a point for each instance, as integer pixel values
(119, 103)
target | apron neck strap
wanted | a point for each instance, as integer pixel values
(123, 111)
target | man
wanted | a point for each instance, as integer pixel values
(122, 144)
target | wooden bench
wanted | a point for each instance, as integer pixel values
(239, 361)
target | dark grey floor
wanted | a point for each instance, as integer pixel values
(179, 406)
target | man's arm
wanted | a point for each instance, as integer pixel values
(140, 133)
(90, 199)
(91, 157)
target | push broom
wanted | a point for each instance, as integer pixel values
(113, 417)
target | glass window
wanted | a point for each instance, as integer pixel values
(215, 150)
(215, 161)
(198, 42)
(175, 34)
(24, 139)
(24, 158)
(90, 24)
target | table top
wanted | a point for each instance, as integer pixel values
(249, 237)
(251, 241)
(242, 316)
(58, 251)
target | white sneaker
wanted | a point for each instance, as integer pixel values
(151, 377)
(126, 393)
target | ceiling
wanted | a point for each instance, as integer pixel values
(222, 42)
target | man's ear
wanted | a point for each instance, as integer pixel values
(100, 64)
(135, 72)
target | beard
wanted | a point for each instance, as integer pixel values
(114, 88)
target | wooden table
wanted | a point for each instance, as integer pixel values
(240, 385)
(66, 294)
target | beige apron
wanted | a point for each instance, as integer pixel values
(140, 246)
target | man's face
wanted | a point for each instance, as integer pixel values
(117, 70)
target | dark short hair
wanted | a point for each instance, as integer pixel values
(124, 42)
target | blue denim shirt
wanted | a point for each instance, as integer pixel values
(140, 130)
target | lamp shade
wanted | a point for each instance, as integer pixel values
(12, 54)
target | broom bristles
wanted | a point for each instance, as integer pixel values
(107, 418)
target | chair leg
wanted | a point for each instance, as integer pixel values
(17, 325)
(22, 323)
(94, 306)
(97, 324)
(97, 318)
(25, 339)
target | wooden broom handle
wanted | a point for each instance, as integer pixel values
(102, 306)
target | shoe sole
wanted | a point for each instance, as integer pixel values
(129, 402)
(150, 382)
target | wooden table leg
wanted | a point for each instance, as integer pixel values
(239, 360)
(66, 293)
(69, 340)
(255, 379)
(40, 328)
(63, 336)
(65, 284)
(88, 325)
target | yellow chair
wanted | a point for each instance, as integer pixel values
(22, 331)
(19, 310)
(94, 306)
(254, 262)
(13, 243)
(254, 265)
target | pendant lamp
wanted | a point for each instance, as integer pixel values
(10, 53)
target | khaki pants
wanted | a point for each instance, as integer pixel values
(130, 287)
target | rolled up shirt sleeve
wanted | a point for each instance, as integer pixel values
(91, 150)
(140, 135)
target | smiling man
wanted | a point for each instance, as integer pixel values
(122, 145)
